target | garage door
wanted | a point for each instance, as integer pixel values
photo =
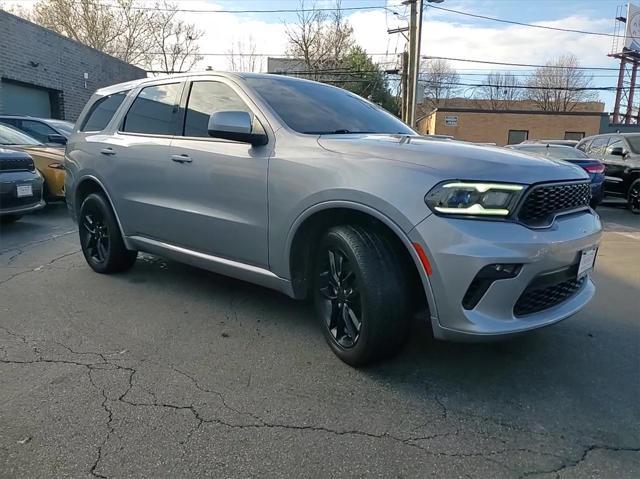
(25, 100)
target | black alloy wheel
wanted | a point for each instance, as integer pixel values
(342, 310)
(361, 294)
(634, 197)
(100, 237)
(96, 236)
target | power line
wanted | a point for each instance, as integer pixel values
(488, 62)
(531, 25)
(278, 10)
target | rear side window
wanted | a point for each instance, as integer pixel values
(598, 145)
(102, 111)
(584, 145)
(154, 110)
(38, 130)
(205, 98)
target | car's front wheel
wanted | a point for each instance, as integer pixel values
(360, 294)
(633, 200)
(101, 238)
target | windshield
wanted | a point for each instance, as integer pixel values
(64, 127)
(11, 136)
(634, 143)
(554, 152)
(315, 108)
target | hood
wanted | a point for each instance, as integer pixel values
(43, 152)
(6, 154)
(451, 159)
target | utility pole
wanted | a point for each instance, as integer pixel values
(415, 34)
(404, 108)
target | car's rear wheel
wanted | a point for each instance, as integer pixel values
(360, 295)
(633, 199)
(6, 219)
(101, 238)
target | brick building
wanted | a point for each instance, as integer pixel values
(487, 122)
(46, 74)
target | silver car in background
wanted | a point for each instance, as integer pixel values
(315, 192)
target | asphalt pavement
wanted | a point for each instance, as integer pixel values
(170, 371)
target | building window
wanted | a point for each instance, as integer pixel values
(574, 135)
(517, 136)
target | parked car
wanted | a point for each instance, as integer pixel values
(49, 161)
(20, 186)
(45, 130)
(571, 143)
(593, 167)
(620, 153)
(313, 191)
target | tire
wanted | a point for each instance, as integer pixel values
(633, 198)
(361, 301)
(101, 238)
(5, 220)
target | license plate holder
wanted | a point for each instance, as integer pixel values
(24, 190)
(587, 261)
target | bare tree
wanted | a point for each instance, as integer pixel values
(153, 39)
(501, 89)
(242, 56)
(175, 40)
(440, 81)
(560, 85)
(319, 39)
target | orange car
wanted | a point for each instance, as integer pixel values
(49, 161)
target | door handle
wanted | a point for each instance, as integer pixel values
(181, 158)
(108, 151)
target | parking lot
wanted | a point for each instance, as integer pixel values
(169, 371)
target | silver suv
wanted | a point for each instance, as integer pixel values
(317, 193)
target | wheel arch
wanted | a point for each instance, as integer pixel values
(306, 230)
(87, 185)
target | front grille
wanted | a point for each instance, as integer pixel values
(543, 202)
(535, 299)
(7, 202)
(16, 164)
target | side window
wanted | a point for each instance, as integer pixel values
(154, 110)
(517, 136)
(37, 130)
(102, 111)
(205, 98)
(584, 145)
(598, 145)
(615, 142)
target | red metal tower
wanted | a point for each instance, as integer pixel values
(627, 106)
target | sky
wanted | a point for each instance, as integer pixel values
(444, 34)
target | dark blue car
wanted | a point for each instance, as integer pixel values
(595, 168)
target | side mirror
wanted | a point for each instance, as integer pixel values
(618, 151)
(55, 138)
(235, 125)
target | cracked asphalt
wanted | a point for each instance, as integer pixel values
(169, 371)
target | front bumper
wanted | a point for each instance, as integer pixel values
(459, 248)
(10, 204)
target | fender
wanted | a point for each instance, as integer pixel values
(90, 177)
(397, 230)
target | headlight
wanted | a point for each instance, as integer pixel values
(474, 199)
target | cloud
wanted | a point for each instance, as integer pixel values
(446, 35)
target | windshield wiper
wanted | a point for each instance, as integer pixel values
(342, 131)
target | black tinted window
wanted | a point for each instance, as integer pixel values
(153, 110)
(205, 98)
(102, 111)
(314, 108)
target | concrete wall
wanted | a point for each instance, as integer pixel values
(36, 56)
(493, 127)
